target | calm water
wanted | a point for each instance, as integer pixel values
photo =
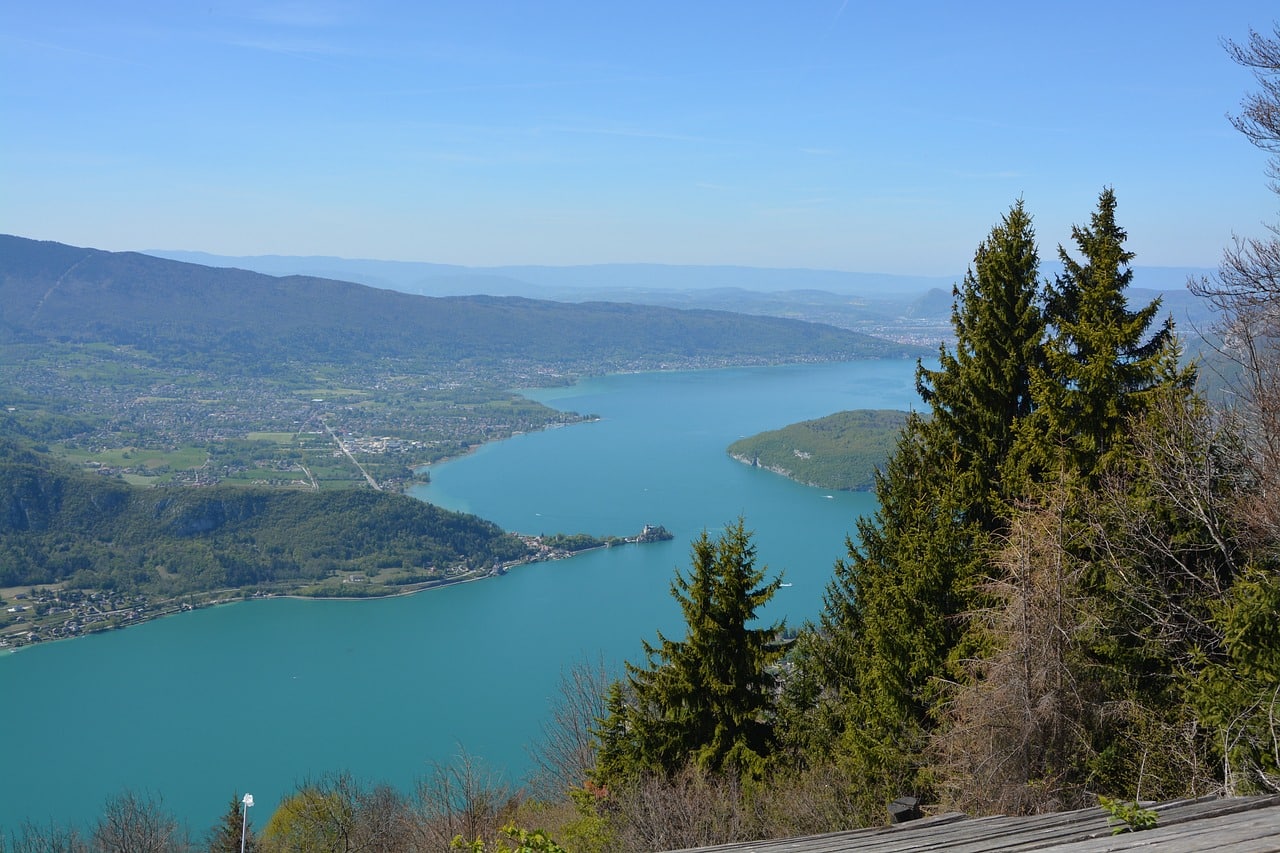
(259, 695)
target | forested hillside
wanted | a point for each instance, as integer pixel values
(246, 320)
(61, 525)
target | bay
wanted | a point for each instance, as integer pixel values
(260, 695)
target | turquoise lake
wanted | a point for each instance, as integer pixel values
(257, 696)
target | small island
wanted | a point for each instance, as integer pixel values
(839, 452)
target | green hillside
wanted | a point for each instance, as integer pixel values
(841, 451)
(244, 320)
(61, 525)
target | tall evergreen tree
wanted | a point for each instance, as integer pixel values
(1098, 368)
(1105, 366)
(889, 617)
(979, 394)
(707, 697)
(890, 625)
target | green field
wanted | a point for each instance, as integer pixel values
(146, 459)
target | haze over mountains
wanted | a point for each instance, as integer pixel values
(915, 309)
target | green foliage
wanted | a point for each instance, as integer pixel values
(576, 541)
(524, 840)
(590, 831)
(1034, 672)
(309, 820)
(980, 394)
(1239, 694)
(889, 619)
(1097, 367)
(1128, 816)
(840, 451)
(892, 625)
(708, 697)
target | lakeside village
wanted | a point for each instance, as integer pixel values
(53, 612)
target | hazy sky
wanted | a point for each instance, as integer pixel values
(885, 136)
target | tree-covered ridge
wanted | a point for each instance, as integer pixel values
(192, 313)
(59, 525)
(839, 451)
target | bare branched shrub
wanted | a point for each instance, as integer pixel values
(462, 798)
(138, 823)
(337, 812)
(1166, 528)
(810, 801)
(44, 838)
(693, 808)
(1247, 292)
(567, 752)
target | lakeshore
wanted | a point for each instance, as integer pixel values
(44, 613)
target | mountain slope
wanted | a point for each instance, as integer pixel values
(49, 291)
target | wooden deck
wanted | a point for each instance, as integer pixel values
(1239, 825)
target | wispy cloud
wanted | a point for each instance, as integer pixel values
(290, 28)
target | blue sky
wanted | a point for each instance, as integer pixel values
(877, 137)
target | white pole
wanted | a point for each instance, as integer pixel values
(244, 818)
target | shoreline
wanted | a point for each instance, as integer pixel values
(174, 606)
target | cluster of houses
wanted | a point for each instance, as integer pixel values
(48, 613)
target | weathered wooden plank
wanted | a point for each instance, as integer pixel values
(1248, 825)
(1256, 830)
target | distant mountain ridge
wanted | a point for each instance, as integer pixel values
(561, 281)
(54, 291)
(902, 307)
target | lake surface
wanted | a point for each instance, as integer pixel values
(257, 696)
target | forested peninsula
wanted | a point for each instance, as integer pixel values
(842, 451)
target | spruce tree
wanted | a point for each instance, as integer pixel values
(890, 618)
(979, 394)
(1098, 368)
(891, 626)
(708, 697)
(1105, 367)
